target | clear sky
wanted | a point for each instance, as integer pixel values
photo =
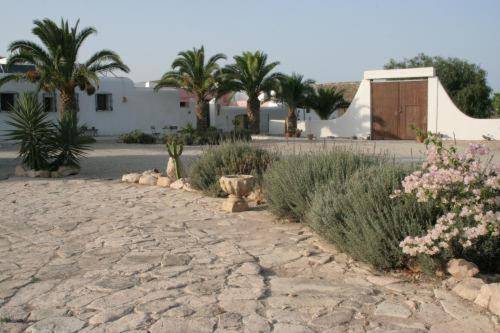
(325, 40)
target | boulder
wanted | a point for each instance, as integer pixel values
(171, 169)
(461, 269)
(489, 297)
(164, 181)
(148, 180)
(38, 173)
(131, 177)
(469, 288)
(68, 170)
(152, 172)
(179, 184)
(20, 171)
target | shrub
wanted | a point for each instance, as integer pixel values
(467, 191)
(290, 183)
(228, 158)
(86, 139)
(211, 136)
(67, 141)
(31, 127)
(360, 218)
(137, 136)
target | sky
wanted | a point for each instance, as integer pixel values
(325, 40)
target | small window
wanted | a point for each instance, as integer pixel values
(184, 104)
(7, 101)
(49, 102)
(104, 102)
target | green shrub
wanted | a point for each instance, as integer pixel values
(210, 136)
(137, 136)
(361, 219)
(226, 159)
(87, 139)
(67, 141)
(290, 183)
(33, 130)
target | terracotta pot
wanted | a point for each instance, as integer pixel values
(420, 138)
(298, 133)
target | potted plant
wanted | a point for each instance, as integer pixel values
(420, 134)
(298, 133)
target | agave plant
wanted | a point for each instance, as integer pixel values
(55, 61)
(325, 101)
(67, 141)
(32, 129)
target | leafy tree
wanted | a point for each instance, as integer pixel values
(496, 103)
(201, 78)
(325, 101)
(55, 61)
(465, 82)
(251, 73)
(295, 92)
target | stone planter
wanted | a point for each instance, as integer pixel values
(237, 186)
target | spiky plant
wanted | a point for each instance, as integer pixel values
(325, 101)
(32, 129)
(55, 61)
(251, 73)
(294, 92)
(67, 141)
(192, 73)
(174, 149)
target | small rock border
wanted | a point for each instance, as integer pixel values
(62, 171)
(155, 178)
(464, 283)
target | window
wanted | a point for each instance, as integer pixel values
(7, 101)
(184, 104)
(49, 102)
(103, 102)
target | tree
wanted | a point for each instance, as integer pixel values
(191, 73)
(496, 103)
(55, 62)
(325, 101)
(252, 74)
(295, 92)
(465, 82)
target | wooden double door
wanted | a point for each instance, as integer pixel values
(395, 106)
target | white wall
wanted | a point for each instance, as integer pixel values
(354, 122)
(445, 118)
(133, 107)
(224, 117)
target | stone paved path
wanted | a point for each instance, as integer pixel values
(101, 256)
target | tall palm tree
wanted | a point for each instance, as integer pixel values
(191, 73)
(325, 101)
(55, 61)
(295, 92)
(252, 74)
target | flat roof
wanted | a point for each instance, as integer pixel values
(404, 73)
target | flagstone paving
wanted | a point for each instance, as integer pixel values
(102, 256)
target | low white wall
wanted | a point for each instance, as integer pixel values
(354, 122)
(445, 118)
(224, 117)
(277, 127)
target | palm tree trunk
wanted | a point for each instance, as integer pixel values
(202, 110)
(253, 112)
(67, 101)
(291, 122)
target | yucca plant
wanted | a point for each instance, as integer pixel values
(67, 141)
(33, 130)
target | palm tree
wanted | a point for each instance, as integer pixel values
(295, 92)
(252, 74)
(325, 101)
(191, 73)
(55, 62)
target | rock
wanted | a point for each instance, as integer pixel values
(256, 324)
(171, 169)
(164, 181)
(56, 325)
(469, 288)
(461, 269)
(148, 179)
(334, 319)
(489, 297)
(20, 171)
(38, 173)
(131, 177)
(179, 184)
(389, 309)
(382, 280)
(109, 315)
(184, 325)
(68, 170)
(256, 196)
(175, 260)
(152, 172)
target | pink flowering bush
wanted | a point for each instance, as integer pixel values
(467, 189)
